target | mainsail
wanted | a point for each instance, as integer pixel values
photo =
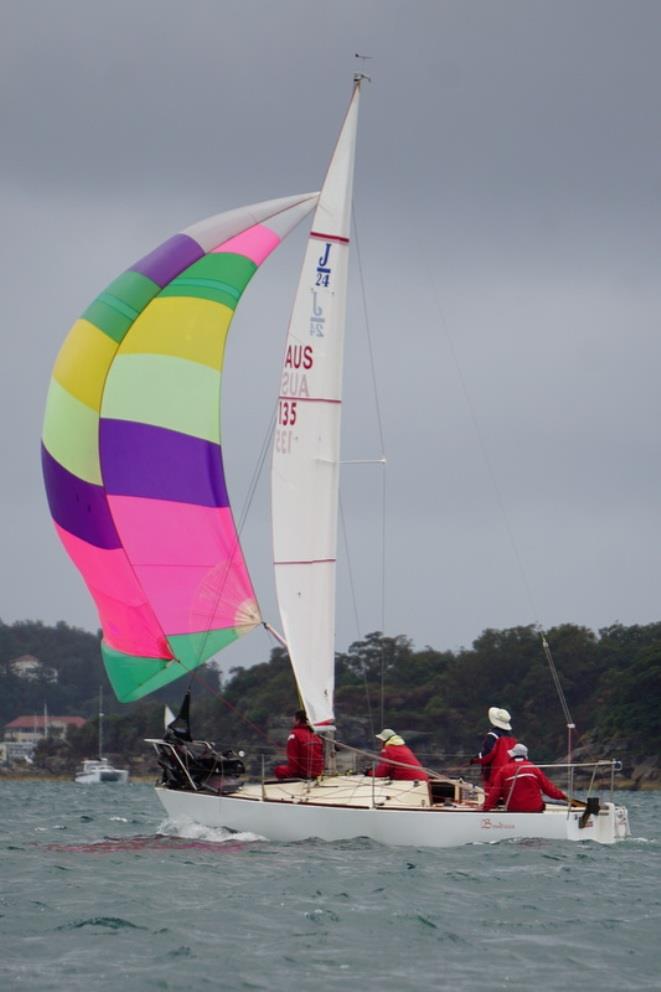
(305, 469)
(132, 455)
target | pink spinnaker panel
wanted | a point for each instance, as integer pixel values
(189, 563)
(127, 619)
(256, 243)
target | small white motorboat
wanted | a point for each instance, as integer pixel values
(99, 770)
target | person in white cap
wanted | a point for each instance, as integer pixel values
(520, 785)
(394, 749)
(496, 744)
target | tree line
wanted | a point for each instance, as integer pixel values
(437, 699)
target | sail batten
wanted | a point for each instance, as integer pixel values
(305, 466)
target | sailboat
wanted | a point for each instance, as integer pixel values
(132, 462)
(98, 771)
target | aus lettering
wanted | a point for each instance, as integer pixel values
(299, 356)
(294, 384)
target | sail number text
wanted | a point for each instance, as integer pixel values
(287, 413)
(283, 440)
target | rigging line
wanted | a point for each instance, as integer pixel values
(377, 405)
(556, 681)
(230, 706)
(280, 641)
(391, 761)
(352, 586)
(368, 332)
(355, 612)
(240, 524)
(499, 497)
(483, 448)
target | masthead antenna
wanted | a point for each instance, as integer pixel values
(358, 76)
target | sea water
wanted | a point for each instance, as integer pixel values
(98, 891)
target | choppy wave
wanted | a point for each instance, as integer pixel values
(105, 895)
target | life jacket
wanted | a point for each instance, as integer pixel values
(497, 755)
(400, 753)
(305, 753)
(521, 786)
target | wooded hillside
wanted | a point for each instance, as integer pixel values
(437, 699)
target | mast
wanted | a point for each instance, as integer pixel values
(100, 722)
(306, 451)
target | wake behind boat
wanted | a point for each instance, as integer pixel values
(141, 505)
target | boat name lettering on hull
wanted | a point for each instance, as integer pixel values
(488, 824)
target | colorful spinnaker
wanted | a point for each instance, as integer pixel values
(132, 456)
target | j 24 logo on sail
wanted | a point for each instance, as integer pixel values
(323, 268)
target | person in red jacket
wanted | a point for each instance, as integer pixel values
(520, 785)
(496, 744)
(305, 751)
(395, 750)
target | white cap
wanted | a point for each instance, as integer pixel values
(385, 735)
(518, 751)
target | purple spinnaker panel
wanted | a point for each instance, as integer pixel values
(169, 259)
(79, 507)
(163, 464)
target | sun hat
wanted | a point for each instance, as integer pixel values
(500, 718)
(518, 751)
(385, 735)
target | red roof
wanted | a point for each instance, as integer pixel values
(32, 722)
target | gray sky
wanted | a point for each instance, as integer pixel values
(507, 197)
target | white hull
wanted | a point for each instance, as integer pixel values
(296, 819)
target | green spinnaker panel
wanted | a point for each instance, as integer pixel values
(133, 677)
(218, 277)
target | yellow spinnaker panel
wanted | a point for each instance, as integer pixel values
(185, 327)
(83, 363)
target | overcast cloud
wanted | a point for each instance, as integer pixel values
(507, 196)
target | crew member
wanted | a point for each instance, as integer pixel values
(305, 751)
(496, 744)
(520, 785)
(395, 750)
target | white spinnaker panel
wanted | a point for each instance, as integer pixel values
(306, 451)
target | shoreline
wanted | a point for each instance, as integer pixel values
(60, 777)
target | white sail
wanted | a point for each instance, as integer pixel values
(305, 469)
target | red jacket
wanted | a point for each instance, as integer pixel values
(305, 755)
(520, 785)
(398, 752)
(494, 757)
